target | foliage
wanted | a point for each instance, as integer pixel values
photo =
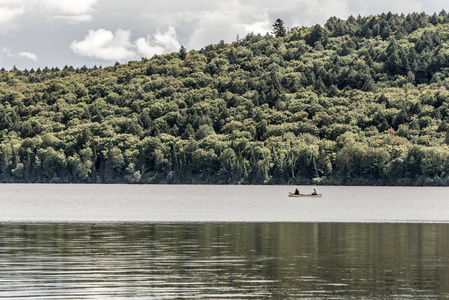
(357, 101)
(279, 28)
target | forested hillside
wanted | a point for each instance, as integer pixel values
(357, 101)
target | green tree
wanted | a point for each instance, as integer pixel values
(182, 52)
(279, 28)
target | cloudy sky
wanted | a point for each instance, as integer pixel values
(39, 33)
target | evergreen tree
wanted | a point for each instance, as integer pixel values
(279, 28)
(182, 53)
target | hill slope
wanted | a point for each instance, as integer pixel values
(357, 101)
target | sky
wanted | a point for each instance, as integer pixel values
(55, 33)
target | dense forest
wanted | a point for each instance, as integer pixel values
(357, 101)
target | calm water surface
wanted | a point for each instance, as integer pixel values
(224, 260)
(212, 242)
(192, 203)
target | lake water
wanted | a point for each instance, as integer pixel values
(199, 203)
(228, 242)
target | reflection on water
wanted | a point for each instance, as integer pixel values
(223, 260)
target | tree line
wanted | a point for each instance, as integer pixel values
(356, 101)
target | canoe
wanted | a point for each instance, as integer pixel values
(305, 195)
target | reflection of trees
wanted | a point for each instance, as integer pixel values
(278, 260)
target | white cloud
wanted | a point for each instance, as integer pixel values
(68, 7)
(24, 54)
(7, 14)
(28, 55)
(258, 27)
(161, 43)
(69, 10)
(104, 44)
(74, 11)
(7, 17)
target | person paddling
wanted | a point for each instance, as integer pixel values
(296, 192)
